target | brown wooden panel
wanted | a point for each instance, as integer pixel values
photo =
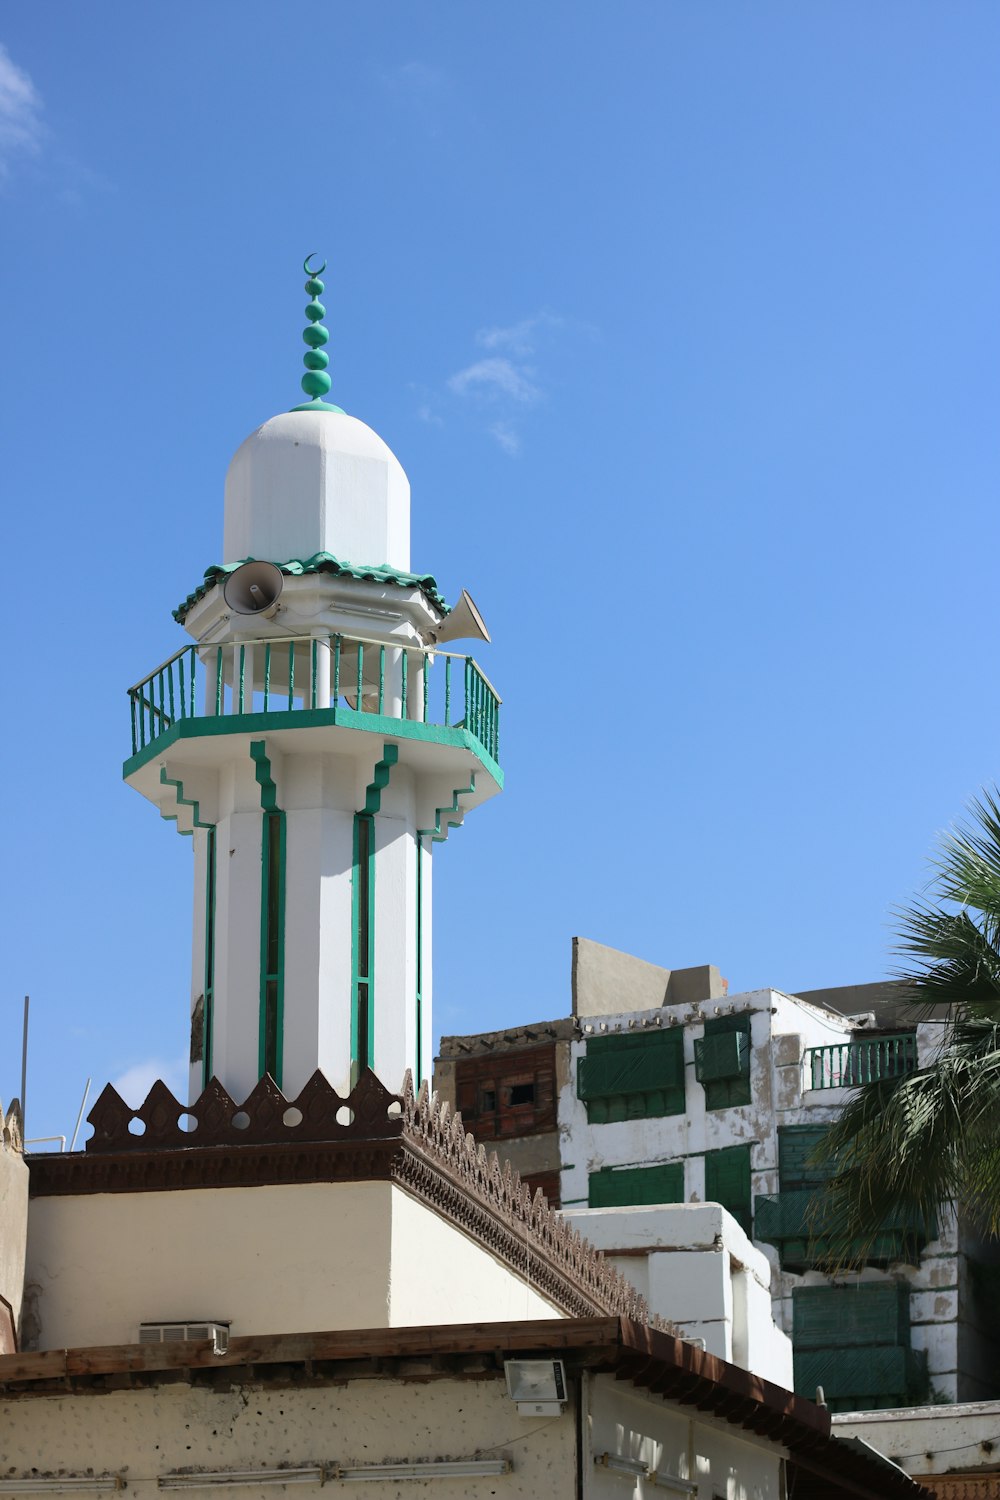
(507, 1094)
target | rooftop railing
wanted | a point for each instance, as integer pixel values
(844, 1065)
(288, 675)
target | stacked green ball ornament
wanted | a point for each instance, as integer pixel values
(315, 382)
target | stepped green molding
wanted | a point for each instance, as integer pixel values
(380, 780)
(373, 805)
(436, 833)
(269, 804)
(262, 771)
(322, 562)
(182, 801)
(315, 382)
(274, 723)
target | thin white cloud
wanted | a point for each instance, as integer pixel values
(135, 1083)
(507, 437)
(426, 413)
(493, 377)
(21, 128)
(518, 338)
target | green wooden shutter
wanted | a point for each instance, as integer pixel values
(871, 1312)
(632, 1077)
(854, 1341)
(796, 1143)
(725, 1066)
(626, 1187)
(727, 1181)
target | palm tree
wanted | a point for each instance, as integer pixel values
(905, 1145)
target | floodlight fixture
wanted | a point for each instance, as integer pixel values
(538, 1386)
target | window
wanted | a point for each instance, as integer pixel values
(722, 1061)
(633, 1076)
(515, 1094)
(727, 1181)
(627, 1187)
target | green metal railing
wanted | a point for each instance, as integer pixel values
(282, 675)
(847, 1064)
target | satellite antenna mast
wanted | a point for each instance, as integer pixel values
(24, 1059)
(83, 1106)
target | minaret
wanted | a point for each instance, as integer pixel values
(316, 741)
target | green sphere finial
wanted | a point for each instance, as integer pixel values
(315, 382)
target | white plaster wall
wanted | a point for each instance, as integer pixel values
(426, 940)
(625, 1422)
(438, 1275)
(236, 1032)
(272, 1259)
(309, 482)
(149, 1432)
(395, 931)
(269, 1259)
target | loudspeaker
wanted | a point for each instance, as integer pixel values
(464, 622)
(254, 589)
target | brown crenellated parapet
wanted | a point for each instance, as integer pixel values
(265, 1117)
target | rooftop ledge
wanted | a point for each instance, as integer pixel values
(284, 683)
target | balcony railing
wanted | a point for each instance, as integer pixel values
(288, 675)
(847, 1064)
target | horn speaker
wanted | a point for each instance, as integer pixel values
(254, 589)
(464, 623)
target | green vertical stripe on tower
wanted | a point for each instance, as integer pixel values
(272, 919)
(420, 960)
(209, 1015)
(363, 917)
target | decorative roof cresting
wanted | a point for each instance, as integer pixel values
(315, 382)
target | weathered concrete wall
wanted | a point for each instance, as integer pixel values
(142, 1434)
(588, 1148)
(930, 1439)
(266, 1259)
(605, 981)
(13, 1225)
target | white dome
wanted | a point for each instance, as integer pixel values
(317, 481)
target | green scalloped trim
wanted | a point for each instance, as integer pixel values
(322, 562)
(191, 802)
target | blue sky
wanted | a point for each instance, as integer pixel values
(683, 320)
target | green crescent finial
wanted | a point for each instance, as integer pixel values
(315, 382)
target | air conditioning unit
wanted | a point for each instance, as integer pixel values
(180, 1333)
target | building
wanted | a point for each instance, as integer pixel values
(662, 1088)
(309, 1273)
